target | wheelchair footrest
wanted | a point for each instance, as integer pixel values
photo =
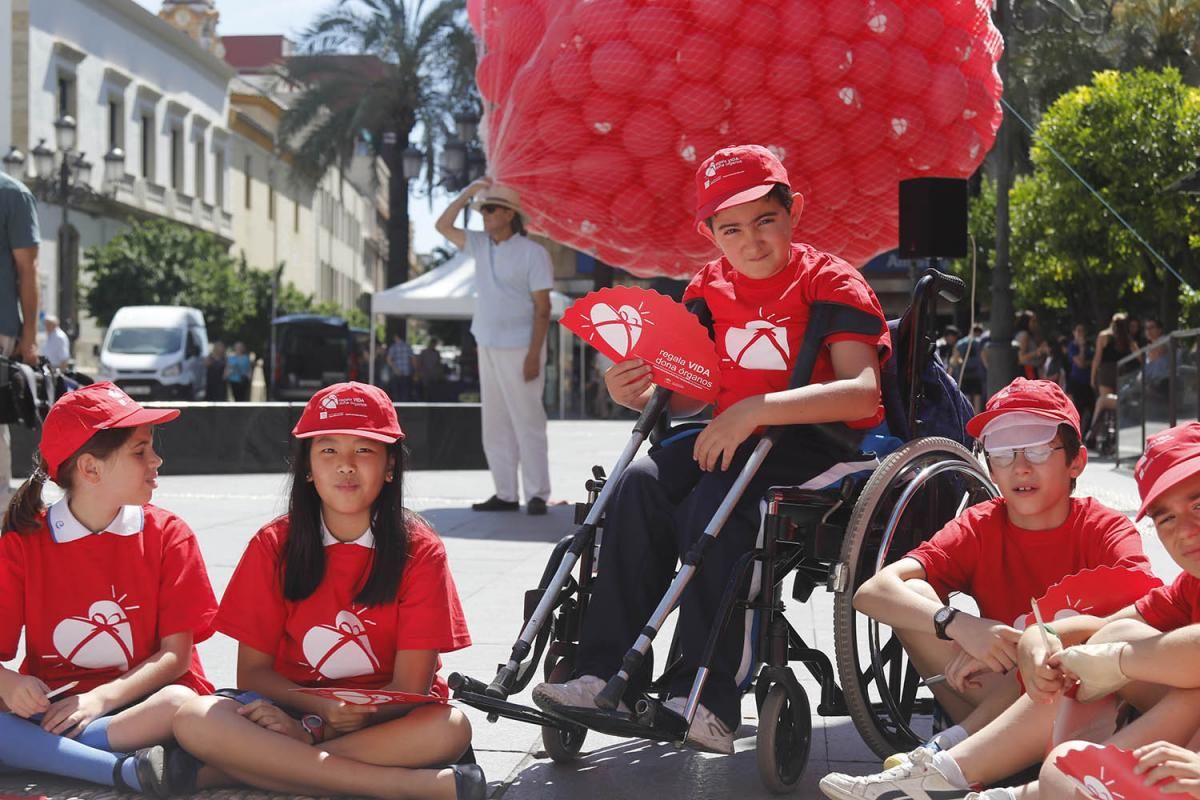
(654, 723)
(502, 708)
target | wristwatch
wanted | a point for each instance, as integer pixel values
(944, 616)
(314, 726)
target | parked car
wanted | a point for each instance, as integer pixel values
(312, 351)
(156, 352)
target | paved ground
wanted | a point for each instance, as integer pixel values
(495, 558)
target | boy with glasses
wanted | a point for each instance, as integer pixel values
(1001, 553)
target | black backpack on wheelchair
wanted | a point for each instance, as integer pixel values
(27, 393)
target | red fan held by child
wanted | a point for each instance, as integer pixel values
(1106, 773)
(628, 322)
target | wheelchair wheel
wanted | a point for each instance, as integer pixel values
(784, 736)
(912, 494)
(562, 745)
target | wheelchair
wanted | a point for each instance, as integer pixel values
(27, 392)
(835, 536)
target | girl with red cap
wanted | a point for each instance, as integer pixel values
(112, 595)
(348, 590)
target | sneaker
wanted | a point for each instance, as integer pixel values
(469, 782)
(576, 693)
(150, 766)
(708, 732)
(893, 761)
(494, 503)
(917, 779)
(536, 507)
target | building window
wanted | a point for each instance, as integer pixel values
(116, 124)
(66, 96)
(247, 171)
(219, 179)
(296, 215)
(199, 149)
(271, 199)
(148, 147)
(177, 158)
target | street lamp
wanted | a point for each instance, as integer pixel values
(1029, 17)
(63, 175)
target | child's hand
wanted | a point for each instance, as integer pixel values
(961, 671)
(347, 717)
(627, 383)
(266, 714)
(24, 695)
(1178, 766)
(1042, 682)
(720, 438)
(69, 716)
(1097, 667)
(987, 640)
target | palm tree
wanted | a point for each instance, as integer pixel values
(1160, 33)
(368, 72)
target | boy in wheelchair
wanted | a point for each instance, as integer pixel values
(1145, 655)
(759, 295)
(1000, 553)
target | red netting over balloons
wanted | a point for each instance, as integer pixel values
(599, 111)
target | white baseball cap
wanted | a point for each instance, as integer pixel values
(1018, 429)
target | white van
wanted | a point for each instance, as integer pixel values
(156, 352)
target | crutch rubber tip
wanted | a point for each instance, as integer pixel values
(610, 696)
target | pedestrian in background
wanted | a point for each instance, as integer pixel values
(967, 366)
(400, 362)
(1079, 374)
(216, 390)
(430, 372)
(19, 240)
(58, 345)
(1031, 348)
(238, 370)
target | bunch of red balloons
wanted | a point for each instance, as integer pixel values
(599, 111)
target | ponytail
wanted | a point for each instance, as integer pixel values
(24, 510)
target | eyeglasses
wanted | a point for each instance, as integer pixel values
(1038, 454)
(490, 208)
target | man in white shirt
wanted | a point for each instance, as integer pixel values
(58, 346)
(513, 278)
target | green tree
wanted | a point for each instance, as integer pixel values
(375, 67)
(1130, 135)
(165, 263)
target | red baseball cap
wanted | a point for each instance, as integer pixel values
(78, 415)
(735, 175)
(1040, 398)
(1171, 456)
(352, 409)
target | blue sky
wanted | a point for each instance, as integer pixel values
(290, 17)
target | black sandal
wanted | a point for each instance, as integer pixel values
(469, 782)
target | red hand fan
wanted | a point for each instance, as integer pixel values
(371, 697)
(1106, 773)
(628, 322)
(1099, 592)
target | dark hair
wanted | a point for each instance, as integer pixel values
(1024, 320)
(780, 193)
(518, 224)
(1118, 326)
(1071, 445)
(27, 505)
(302, 563)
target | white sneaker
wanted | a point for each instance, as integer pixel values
(576, 693)
(897, 759)
(917, 779)
(708, 732)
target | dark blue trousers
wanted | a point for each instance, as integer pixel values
(660, 507)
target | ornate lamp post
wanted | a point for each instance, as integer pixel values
(63, 175)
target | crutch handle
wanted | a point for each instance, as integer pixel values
(499, 688)
(465, 683)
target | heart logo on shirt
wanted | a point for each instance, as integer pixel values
(340, 650)
(102, 639)
(621, 328)
(760, 345)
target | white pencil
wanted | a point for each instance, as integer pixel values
(1037, 615)
(65, 687)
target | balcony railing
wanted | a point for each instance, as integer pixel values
(1157, 388)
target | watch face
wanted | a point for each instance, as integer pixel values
(943, 614)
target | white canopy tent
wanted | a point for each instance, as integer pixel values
(448, 292)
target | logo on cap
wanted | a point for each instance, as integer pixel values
(330, 402)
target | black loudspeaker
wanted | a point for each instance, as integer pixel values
(933, 218)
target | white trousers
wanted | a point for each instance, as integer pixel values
(514, 423)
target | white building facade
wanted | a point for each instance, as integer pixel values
(140, 92)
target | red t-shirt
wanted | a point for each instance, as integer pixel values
(1172, 606)
(94, 606)
(1002, 566)
(328, 638)
(759, 324)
